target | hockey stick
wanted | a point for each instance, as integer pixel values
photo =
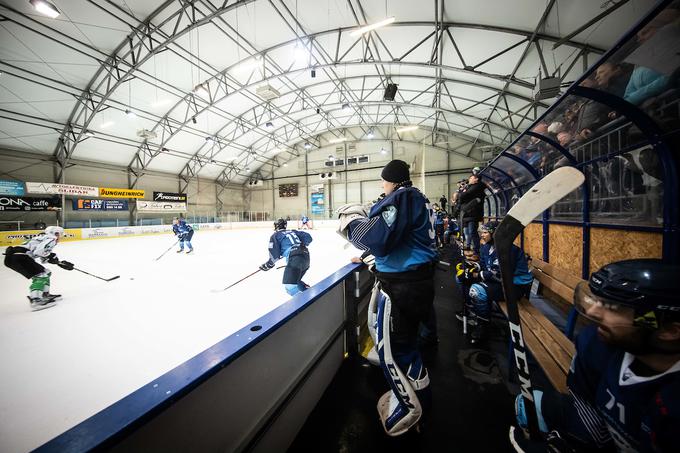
(169, 248)
(235, 283)
(96, 276)
(540, 197)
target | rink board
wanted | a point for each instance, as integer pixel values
(252, 391)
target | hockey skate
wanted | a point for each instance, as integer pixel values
(189, 251)
(41, 303)
(51, 296)
(180, 250)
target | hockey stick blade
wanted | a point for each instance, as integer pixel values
(540, 197)
(112, 278)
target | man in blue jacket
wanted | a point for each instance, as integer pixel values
(291, 245)
(399, 232)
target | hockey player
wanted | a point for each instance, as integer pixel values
(439, 225)
(399, 232)
(624, 380)
(184, 233)
(304, 223)
(291, 245)
(489, 288)
(22, 259)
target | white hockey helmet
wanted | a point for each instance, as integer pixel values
(54, 231)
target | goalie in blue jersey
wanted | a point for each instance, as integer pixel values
(399, 232)
(291, 245)
(624, 381)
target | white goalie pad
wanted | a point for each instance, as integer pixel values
(399, 408)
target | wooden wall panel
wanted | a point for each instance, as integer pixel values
(533, 240)
(566, 248)
(607, 246)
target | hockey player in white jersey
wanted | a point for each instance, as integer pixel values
(23, 258)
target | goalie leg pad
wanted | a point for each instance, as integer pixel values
(400, 408)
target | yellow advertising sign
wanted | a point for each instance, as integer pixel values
(19, 237)
(106, 192)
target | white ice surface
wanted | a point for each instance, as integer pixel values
(105, 340)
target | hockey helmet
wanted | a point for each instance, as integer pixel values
(649, 287)
(280, 224)
(54, 231)
(476, 170)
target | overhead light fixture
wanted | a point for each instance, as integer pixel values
(313, 73)
(300, 50)
(345, 106)
(201, 90)
(46, 8)
(209, 139)
(89, 133)
(337, 140)
(285, 164)
(370, 134)
(407, 129)
(367, 28)
(161, 103)
(106, 124)
(130, 114)
(308, 145)
(193, 119)
(269, 125)
(383, 151)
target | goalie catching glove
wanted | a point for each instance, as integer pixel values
(347, 214)
(266, 266)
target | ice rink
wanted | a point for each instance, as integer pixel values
(105, 340)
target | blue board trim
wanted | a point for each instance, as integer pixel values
(121, 418)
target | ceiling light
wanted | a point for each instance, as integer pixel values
(285, 164)
(193, 119)
(161, 103)
(362, 30)
(370, 134)
(337, 140)
(383, 151)
(269, 125)
(300, 51)
(208, 139)
(308, 145)
(89, 133)
(407, 129)
(130, 114)
(345, 106)
(46, 8)
(201, 90)
(106, 124)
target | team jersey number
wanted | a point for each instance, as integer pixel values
(292, 237)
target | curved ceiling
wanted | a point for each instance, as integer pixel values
(85, 84)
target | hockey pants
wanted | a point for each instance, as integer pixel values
(296, 267)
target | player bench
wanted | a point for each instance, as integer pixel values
(550, 347)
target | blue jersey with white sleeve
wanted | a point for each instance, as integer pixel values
(182, 228)
(616, 402)
(282, 242)
(491, 269)
(399, 231)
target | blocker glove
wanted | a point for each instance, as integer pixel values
(65, 265)
(266, 266)
(52, 258)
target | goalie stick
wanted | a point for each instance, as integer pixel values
(540, 197)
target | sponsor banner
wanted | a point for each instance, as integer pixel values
(317, 203)
(11, 187)
(107, 192)
(160, 206)
(169, 196)
(112, 232)
(100, 205)
(19, 237)
(61, 189)
(9, 203)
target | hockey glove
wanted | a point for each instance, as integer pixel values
(521, 414)
(65, 265)
(52, 258)
(266, 266)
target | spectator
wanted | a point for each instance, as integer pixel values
(472, 210)
(442, 202)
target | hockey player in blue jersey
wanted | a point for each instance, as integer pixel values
(304, 223)
(184, 233)
(624, 380)
(489, 287)
(399, 232)
(291, 245)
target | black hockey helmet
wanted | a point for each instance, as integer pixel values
(649, 286)
(280, 224)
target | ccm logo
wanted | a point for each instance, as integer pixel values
(400, 385)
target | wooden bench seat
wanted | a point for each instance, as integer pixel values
(551, 347)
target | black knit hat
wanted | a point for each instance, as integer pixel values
(396, 171)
